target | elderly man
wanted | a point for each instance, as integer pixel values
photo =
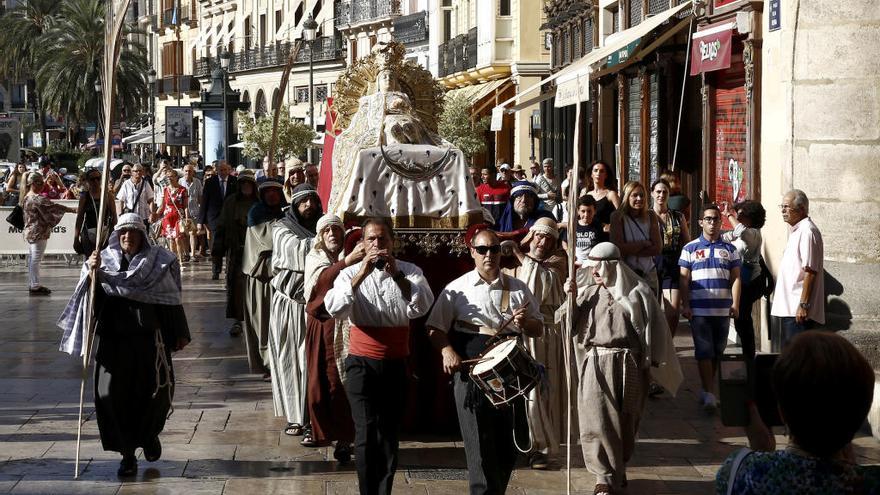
(522, 209)
(256, 264)
(326, 347)
(548, 187)
(543, 269)
(216, 190)
(534, 168)
(799, 297)
(380, 295)
(140, 322)
(312, 175)
(292, 238)
(136, 194)
(471, 311)
(621, 341)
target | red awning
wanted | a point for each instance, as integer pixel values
(710, 48)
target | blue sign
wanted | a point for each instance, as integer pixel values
(775, 17)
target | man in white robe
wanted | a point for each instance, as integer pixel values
(292, 238)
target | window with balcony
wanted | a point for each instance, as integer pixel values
(279, 19)
(262, 30)
(588, 36)
(172, 58)
(635, 12)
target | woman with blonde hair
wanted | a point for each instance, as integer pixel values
(41, 215)
(635, 231)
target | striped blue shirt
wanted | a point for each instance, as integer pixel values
(710, 264)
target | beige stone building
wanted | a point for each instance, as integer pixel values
(820, 132)
(490, 49)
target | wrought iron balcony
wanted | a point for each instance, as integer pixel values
(458, 54)
(366, 10)
(411, 28)
(276, 55)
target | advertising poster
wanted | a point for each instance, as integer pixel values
(178, 126)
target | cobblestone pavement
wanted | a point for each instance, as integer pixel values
(224, 438)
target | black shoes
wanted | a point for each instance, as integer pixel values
(235, 331)
(128, 467)
(342, 452)
(153, 450)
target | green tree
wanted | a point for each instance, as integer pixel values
(21, 39)
(73, 53)
(294, 137)
(460, 128)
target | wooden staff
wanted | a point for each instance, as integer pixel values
(285, 77)
(573, 190)
(113, 24)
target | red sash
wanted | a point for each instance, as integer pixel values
(379, 342)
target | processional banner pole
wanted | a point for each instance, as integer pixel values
(113, 23)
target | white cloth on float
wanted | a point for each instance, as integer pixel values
(446, 200)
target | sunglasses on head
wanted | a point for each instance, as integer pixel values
(482, 250)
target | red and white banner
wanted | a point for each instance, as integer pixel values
(711, 48)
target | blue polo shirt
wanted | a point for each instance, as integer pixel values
(710, 264)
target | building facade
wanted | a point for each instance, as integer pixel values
(363, 23)
(489, 50)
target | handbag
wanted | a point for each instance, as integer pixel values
(184, 225)
(16, 217)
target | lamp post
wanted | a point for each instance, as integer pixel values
(225, 58)
(98, 89)
(310, 28)
(151, 78)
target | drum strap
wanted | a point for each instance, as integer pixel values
(505, 294)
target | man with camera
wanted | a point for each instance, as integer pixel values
(379, 296)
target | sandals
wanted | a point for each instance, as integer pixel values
(39, 291)
(308, 439)
(293, 429)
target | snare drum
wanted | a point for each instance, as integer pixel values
(505, 371)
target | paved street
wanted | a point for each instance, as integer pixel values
(224, 438)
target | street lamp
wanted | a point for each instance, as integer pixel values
(98, 89)
(151, 78)
(309, 32)
(225, 58)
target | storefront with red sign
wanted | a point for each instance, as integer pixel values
(725, 54)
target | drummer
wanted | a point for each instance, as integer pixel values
(467, 315)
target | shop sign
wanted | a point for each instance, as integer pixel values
(710, 48)
(497, 119)
(622, 55)
(573, 89)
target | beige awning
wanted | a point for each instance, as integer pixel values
(578, 73)
(475, 93)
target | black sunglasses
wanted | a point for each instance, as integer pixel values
(482, 250)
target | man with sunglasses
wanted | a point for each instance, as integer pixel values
(379, 296)
(126, 174)
(468, 314)
(710, 289)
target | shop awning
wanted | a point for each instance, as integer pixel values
(711, 48)
(616, 46)
(140, 133)
(475, 93)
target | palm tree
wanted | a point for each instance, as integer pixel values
(73, 54)
(21, 32)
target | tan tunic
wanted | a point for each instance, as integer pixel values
(612, 384)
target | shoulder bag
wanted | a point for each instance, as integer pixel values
(16, 217)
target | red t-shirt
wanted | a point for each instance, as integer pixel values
(494, 198)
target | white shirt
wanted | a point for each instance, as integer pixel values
(471, 299)
(127, 194)
(805, 249)
(378, 301)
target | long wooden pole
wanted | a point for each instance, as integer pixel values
(573, 190)
(276, 113)
(112, 43)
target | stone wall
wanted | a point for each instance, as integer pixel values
(821, 133)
